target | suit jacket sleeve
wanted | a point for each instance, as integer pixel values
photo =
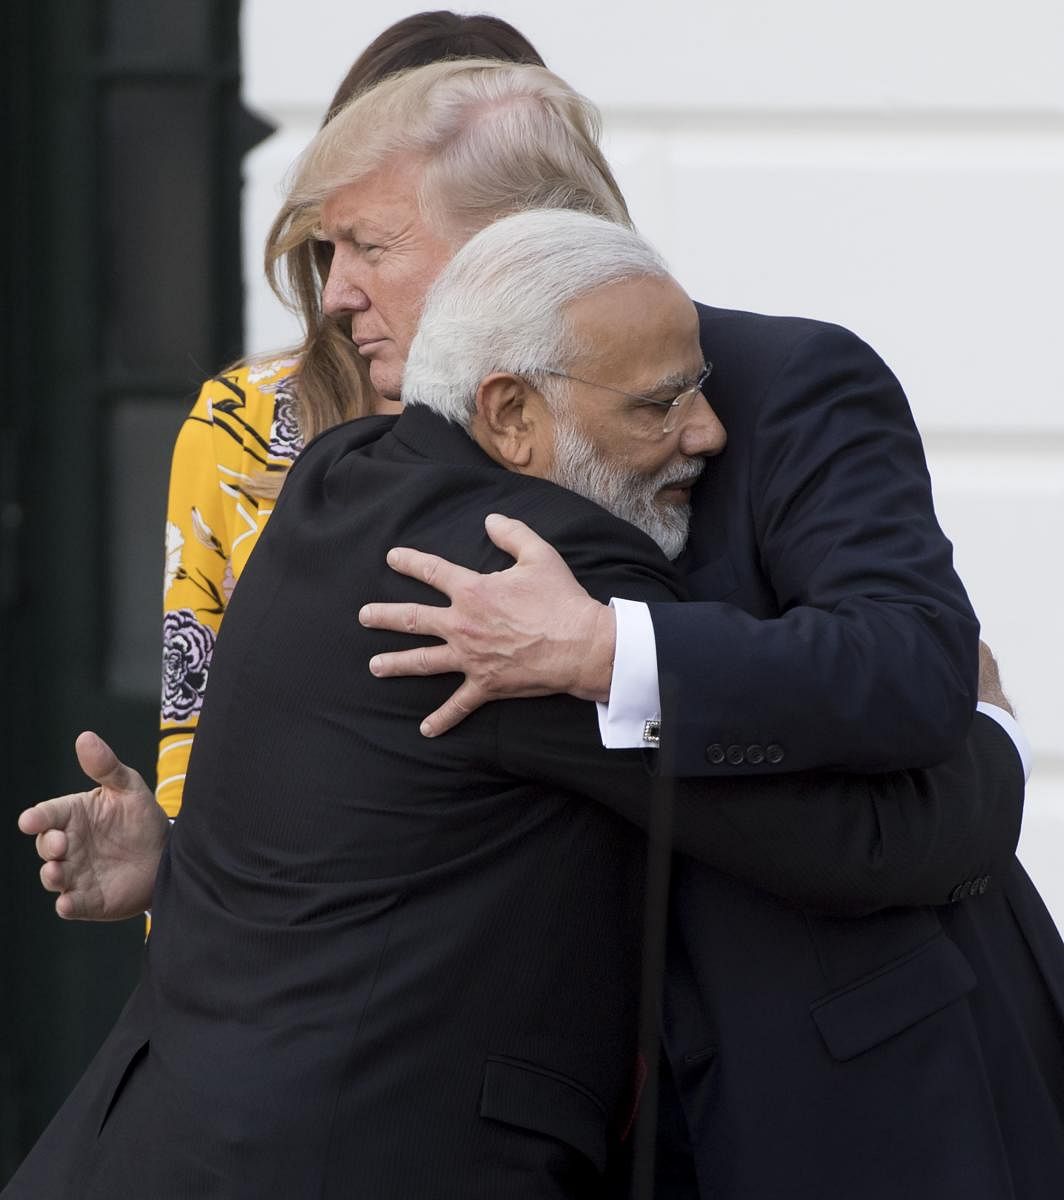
(869, 660)
(839, 842)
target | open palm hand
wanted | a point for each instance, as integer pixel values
(101, 848)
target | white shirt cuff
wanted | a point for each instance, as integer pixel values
(1012, 727)
(634, 697)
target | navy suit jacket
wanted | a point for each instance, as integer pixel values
(916, 1051)
(832, 627)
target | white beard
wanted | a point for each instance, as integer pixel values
(579, 467)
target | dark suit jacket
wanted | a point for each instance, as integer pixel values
(385, 966)
(833, 627)
(917, 1052)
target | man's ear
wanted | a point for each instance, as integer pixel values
(509, 421)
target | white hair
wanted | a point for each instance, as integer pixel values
(500, 304)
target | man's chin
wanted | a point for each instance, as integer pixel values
(672, 498)
(387, 379)
(672, 528)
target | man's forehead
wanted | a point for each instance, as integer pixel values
(383, 197)
(621, 293)
(353, 205)
(642, 312)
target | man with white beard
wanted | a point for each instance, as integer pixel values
(636, 451)
(391, 966)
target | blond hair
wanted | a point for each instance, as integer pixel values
(495, 138)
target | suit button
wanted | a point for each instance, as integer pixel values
(735, 755)
(715, 754)
(774, 753)
(755, 754)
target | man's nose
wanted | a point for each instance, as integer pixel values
(341, 295)
(702, 433)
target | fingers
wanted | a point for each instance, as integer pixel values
(425, 619)
(517, 539)
(59, 874)
(52, 845)
(55, 876)
(49, 814)
(990, 689)
(425, 660)
(73, 906)
(454, 711)
(437, 572)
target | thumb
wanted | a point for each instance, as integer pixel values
(516, 538)
(100, 762)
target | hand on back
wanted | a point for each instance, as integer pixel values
(530, 630)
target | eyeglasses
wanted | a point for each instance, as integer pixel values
(674, 408)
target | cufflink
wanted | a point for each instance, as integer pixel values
(652, 732)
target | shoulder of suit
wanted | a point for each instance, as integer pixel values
(578, 528)
(737, 324)
(338, 441)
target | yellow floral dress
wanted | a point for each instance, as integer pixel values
(243, 424)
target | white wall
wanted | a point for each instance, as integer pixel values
(895, 165)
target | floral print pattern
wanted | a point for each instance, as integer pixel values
(228, 581)
(260, 375)
(244, 423)
(174, 541)
(286, 438)
(205, 535)
(187, 648)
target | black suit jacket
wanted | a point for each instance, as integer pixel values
(915, 1052)
(391, 967)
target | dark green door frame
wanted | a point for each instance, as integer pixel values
(122, 289)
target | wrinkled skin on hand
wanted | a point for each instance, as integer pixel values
(101, 848)
(530, 630)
